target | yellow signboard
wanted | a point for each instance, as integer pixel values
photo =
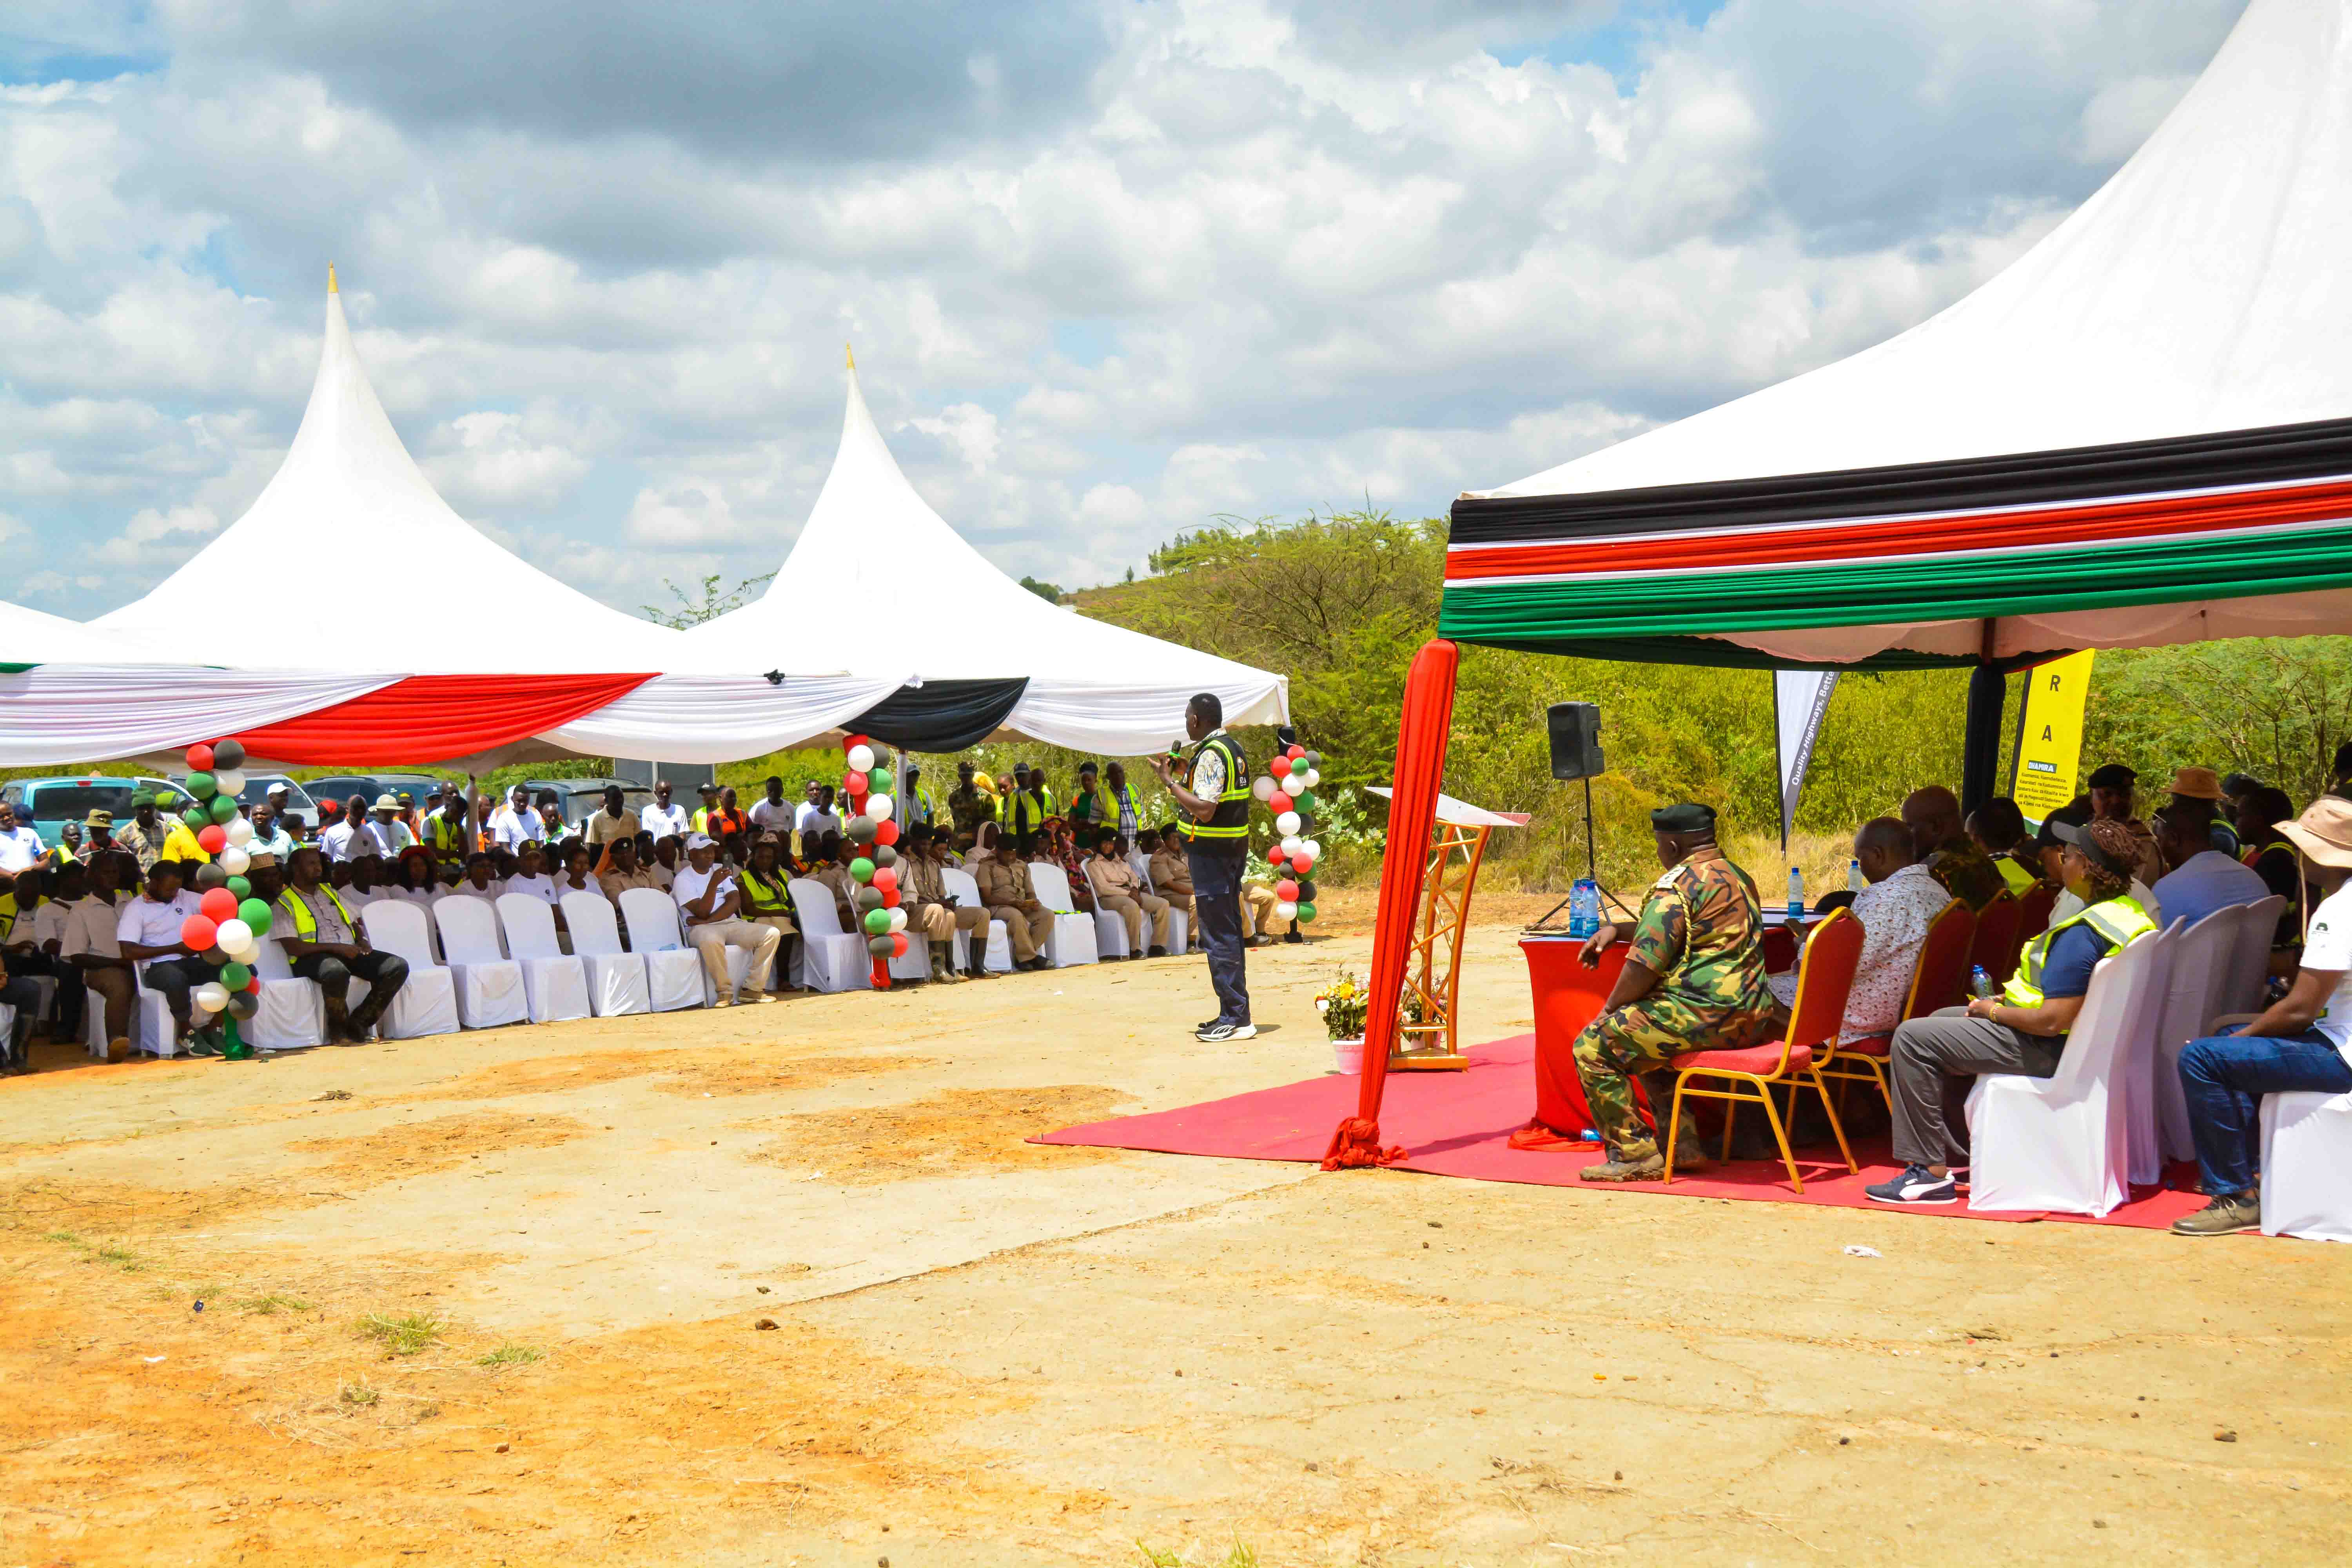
(2050, 739)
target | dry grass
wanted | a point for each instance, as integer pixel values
(405, 1334)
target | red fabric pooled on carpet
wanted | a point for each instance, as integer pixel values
(1462, 1124)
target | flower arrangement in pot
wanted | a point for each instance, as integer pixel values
(1341, 1003)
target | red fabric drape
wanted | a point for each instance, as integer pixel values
(1420, 769)
(427, 717)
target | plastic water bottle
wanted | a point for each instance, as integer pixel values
(1854, 880)
(1979, 981)
(1796, 895)
(1583, 909)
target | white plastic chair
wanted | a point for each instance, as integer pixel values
(674, 977)
(427, 1001)
(996, 953)
(489, 985)
(1071, 938)
(151, 1029)
(2063, 1143)
(2200, 959)
(1179, 924)
(2308, 1165)
(1110, 932)
(2250, 964)
(554, 985)
(616, 979)
(831, 959)
(292, 1013)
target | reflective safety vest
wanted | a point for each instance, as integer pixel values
(1230, 825)
(306, 924)
(2119, 920)
(9, 914)
(762, 892)
(2019, 880)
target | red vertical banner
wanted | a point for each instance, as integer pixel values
(1420, 769)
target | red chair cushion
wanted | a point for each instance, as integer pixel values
(1759, 1059)
(1879, 1046)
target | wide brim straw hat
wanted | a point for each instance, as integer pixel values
(2324, 832)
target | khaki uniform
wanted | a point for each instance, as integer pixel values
(1119, 891)
(924, 897)
(1260, 899)
(1172, 879)
(844, 887)
(1004, 885)
(615, 883)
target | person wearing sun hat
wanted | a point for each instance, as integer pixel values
(1934, 1060)
(2301, 1043)
(2197, 799)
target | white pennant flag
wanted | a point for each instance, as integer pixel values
(1800, 698)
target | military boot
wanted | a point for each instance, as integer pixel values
(943, 963)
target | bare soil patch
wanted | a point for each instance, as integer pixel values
(940, 1134)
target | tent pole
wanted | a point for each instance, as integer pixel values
(1413, 809)
(1980, 751)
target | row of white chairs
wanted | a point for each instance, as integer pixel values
(2114, 1112)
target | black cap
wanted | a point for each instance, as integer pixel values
(1686, 816)
(2114, 775)
(2075, 812)
(2235, 784)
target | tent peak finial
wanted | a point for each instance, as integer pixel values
(331, 278)
(849, 356)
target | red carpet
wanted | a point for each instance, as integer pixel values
(1460, 1124)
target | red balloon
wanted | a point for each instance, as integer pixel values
(1286, 890)
(886, 878)
(885, 833)
(1279, 767)
(200, 759)
(199, 933)
(1295, 752)
(213, 839)
(218, 904)
(253, 986)
(1274, 856)
(890, 898)
(850, 743)
(1277, 803)
(853, 783)
(899, 944)
(1302, 863)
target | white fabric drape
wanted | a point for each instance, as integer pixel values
(719, 718)
(58, 713)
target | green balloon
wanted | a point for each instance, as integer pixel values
(198, 818)
(862, 868)
(242, 889)
(236, 976)
(877, 922)
(1303, 802)
(1305, 913)
(254, 914)
(202, 787)
(224, 808)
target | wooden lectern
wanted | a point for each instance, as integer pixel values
(1428, 1038)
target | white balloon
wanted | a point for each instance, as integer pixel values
(236, 861)
(861, 759)
(240, 831)
(1284, 910)
(897, 919)
(1314, 776)
(212, 997)
(1314, 849)
(233, 935)
(878, 807)
(1288, 825)
(1263, 787)
(1290, 844)
(230, 780)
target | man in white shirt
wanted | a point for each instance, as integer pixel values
(660, 818)
(148, 927)
(1902, 901)
(710, 906)
(19, 845)
(515, 824)
(94, 950)
(389, 834)
(774, 813)
(531, 878)
(349, 837)
(2302, 1043)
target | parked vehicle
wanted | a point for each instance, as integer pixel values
(579, 799)
(343, 786)
(298, 801)
(71, 797)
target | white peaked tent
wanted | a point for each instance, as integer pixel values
(876, 568)
(350, 560)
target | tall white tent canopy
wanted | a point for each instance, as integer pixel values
(428, 594)
(877, 566)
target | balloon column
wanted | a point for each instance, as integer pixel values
(876, 868)
(226, 929)
(1287, 789)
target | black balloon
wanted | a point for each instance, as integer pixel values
(228, 755)
(209, 875)
(214, 956)
(869, 897)
(1306, 893)
(244, 1005)
(885, 855)
(881, 946)
(861, 830)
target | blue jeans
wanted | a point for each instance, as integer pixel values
(1217, 903)
(2225, 1077)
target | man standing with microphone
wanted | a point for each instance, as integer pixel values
(1216, 804)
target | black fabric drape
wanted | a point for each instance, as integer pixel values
(941, 715)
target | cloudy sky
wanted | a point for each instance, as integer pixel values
(1112, 267)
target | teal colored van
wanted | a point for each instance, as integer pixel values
(71, 797)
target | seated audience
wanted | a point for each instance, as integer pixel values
(95, 952)
(1896, 909)
(348, 836)
(1120, 891)
(1259, 904)
(1694, 981)
(2023, 1030)
(2200, 790)
(834, 875)
(530, 878)
(2051, 843)
(321, 935)
(2202, 879)
(2272, 855)
(1951, 857)
(620, 871)
(929, 918)
(710, 906)
(388, 834)
(148, 927)
(269, 835)
(2302, 1043)
(983, 845)
(32, 928)
(1057, 845)
(415, 876)
(1999, 829)
(1171, 874)
(366, 887)
(20, 846)
(1008, 895)
(664, 866)
(576, 878)
(2112, 790)
(480, 880)
(768, 897)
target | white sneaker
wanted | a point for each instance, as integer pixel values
(1217, 1034)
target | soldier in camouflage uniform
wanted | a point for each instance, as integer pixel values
(1693, 981)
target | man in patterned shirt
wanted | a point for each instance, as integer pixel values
(1693, 981)
(1896, 909)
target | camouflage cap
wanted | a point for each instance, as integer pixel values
(1683, 816)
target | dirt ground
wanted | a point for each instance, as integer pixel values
(785, 1285)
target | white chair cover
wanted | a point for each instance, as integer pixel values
(292, 1014)
(616, 979)
(427, 1002)
(1071, 938)
(2242, 992)
(2201, 962)
(2063, 1143)
(554, 985)
(1179, 924)
(833, 959)
(674, 977)
(997, 955)
(1110, 932)
(489, 985)
(93, 1022)
(151, 1029)
(2308, 1165)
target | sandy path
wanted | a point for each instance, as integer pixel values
(986, 1351)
